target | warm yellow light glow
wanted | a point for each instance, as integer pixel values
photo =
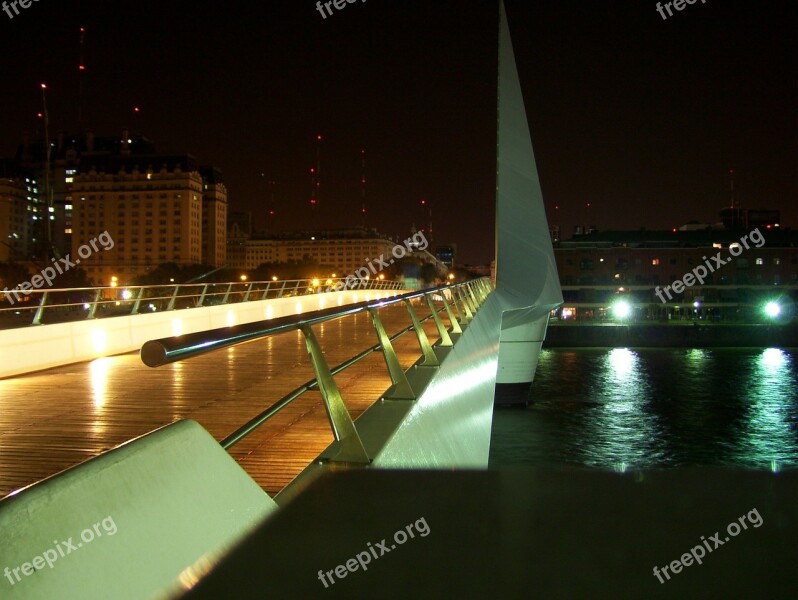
(382, 277)
(274, 277)
(98, 370)
(231, 318)
(315, 283)
(243, 278)
(99, 340)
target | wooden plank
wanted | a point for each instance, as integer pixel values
(54, 419)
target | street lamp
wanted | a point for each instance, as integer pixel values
(621, 309)
(772, 310)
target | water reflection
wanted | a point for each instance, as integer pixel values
(768, 432)
(623, 431)
(623, 409)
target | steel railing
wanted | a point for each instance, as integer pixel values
(38, 307)
(464, 298)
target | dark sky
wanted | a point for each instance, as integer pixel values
(640, 117)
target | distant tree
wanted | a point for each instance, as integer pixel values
(12, 274)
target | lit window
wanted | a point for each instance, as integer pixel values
(655, 262)
(760, 261)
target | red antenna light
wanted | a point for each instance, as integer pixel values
(81, 67)
(40, 115)
(44, 86)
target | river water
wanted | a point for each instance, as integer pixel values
(621, 409)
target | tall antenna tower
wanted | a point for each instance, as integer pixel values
(48, 192)
(735, 202)
(316, 175)
(363, 187)
(81, 71)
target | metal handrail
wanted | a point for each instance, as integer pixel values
(466, 297)
(128, 300)
(156, 353)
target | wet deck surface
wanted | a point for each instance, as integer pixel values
(54, 419)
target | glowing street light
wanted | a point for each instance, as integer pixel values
(772, 309)
(243, 278)
(621, 309)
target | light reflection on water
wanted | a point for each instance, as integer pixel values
(624, 409)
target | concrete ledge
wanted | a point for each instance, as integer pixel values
(125, 525)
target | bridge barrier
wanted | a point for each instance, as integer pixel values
(34, 348)
(130, 522)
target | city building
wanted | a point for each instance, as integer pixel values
(157, 208)
(596, 268)
(214, 218)
(344, 251)
(14, 219)
(446, 253)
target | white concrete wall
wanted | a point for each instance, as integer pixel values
(42, 347)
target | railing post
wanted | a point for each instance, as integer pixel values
(93, 309)
(266, 291)
(282, 289)
(171, 305)
(430, 359)
(452, 319)
(137, 302)
(442, 333)
(401, 389)
(466, 307)
(227, 293)
(296, 288)
(350, 445)
(204, 291)
(249, 291)
(37, 318)
(475, 301)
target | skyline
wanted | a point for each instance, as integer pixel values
(640, 117)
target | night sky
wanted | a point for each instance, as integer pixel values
(640, 117)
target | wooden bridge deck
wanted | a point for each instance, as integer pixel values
(54, 419)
